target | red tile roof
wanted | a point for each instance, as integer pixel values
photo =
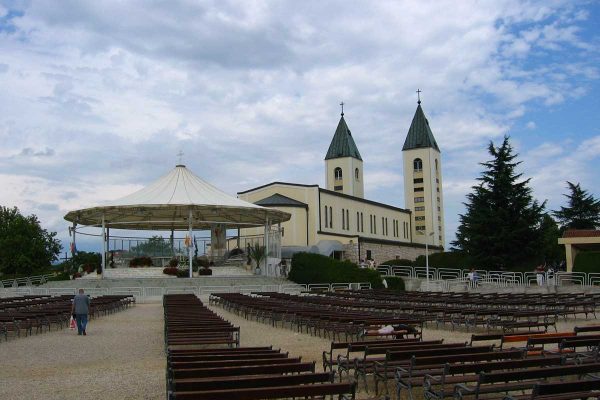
(571, 233)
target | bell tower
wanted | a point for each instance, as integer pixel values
(423, 181)
(343, 164)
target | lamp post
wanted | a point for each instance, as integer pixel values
(424, 233)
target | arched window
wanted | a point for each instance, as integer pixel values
(356, 174)
(337, 173)
(418, 165)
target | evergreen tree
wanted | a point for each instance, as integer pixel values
(501, 225)
(25, 247)
(582, 212)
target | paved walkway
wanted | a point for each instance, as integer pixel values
(121, 358)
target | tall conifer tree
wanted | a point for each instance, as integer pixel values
(582, 212)
(501, 225)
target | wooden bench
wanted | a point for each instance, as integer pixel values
(342, 390)
(272, 368)
(414, 374)
(394, 358)
(239, 382)
(495, 383)
(330, 360)
(440, 386)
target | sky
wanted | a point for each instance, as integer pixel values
(98, 97)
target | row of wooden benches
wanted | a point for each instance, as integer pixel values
(435, 365)
(196, 371)
(327, 322)
(39, 313)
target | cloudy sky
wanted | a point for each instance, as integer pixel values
(98, 97)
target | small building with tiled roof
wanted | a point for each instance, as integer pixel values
(577, 240)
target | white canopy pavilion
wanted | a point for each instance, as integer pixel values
(178, 200)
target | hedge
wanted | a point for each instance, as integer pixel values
(310, 268)
(404, 262)
(395, 283)
(587, 261)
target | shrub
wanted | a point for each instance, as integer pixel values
(205, 271)
(588, 261)
(314, 268)
(170, 271)
(200, 262)
(447, 259)
(142, 261)
(173, 262)
(182, 273)
(63, 276)
(76, 275)
(400, 261)
(395, 283)
(89, 268)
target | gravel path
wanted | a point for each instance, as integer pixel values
(121, 358)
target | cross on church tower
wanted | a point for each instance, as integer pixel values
(342, 104)
(418, 96)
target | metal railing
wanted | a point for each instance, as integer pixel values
(447, 278)
(27, 281)
(144, 293)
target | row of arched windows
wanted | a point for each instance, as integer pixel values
(337, 174)
(418, 165)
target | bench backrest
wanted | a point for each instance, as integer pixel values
(542, 389)
(538, 373)
(469, 357)
(407, 355)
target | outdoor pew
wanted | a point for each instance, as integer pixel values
(524, 338)
(525, 379)
(321, 390)
(329, 360)
(401, 358)
(242, 370)
(179, 365)
(440, 385)
(414, 373)
(585, 329)
(347, 363)
(579, 389)
(239, 382)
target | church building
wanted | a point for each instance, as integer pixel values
(338, 221)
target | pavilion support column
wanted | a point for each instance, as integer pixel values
(103, 245)
(190, 248)
(570, 253)
(267, 229)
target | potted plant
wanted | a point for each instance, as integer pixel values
(257, 253)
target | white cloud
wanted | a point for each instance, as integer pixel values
(102, 95)
(530, 125)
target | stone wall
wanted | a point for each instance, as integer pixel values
(382, 252)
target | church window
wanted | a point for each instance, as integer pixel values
(419, 199)
(356, 174)
(343, 219)
(418, 165)
(375, 224)
(436, 165)
(418, 180)
(420, 227)
(347, 220)
(330, 217)
(420, 218)
(358, 221)
(337, 173)
(419, 189)
(326, 219)
(420, 208)
(362, 226)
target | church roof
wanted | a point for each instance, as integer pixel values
(419, 133)
(342, 144)
(280, 200)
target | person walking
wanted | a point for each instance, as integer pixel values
(81, 309)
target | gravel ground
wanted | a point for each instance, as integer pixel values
(121, 358)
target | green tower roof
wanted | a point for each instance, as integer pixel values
(342, 144)
(419, 134)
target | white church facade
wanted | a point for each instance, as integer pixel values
(338, 221)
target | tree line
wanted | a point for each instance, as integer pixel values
(504, 227)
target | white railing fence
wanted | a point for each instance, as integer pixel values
(449, 277)
(144, 293)
(27, 281)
